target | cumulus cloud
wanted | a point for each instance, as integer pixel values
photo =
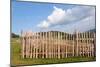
(56, 17)
(43, 24)
(77, 17)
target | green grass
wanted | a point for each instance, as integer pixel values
(17, 60)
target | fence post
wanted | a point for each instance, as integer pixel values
(66, 44)
(58, 46)
(36, 44)
(76, 43)
(73, 44)
(23, 44)
(46, 45)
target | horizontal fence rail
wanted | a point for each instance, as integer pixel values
(57, 44)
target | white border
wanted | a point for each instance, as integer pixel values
(4, 33)
(87, 2)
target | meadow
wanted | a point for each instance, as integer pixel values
(16, 59)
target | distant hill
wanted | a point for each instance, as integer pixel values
(92, 30)
(13, 35)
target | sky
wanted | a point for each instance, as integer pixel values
(34, 16)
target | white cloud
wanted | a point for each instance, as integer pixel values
(82, 25)
(78, 17)
(56, 16)
(43, 24)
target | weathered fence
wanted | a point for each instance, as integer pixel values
(55, 44)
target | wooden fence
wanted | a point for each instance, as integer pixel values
(57, 44)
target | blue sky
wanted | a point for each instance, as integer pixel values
(28, 16)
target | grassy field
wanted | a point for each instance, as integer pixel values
(17, 60)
